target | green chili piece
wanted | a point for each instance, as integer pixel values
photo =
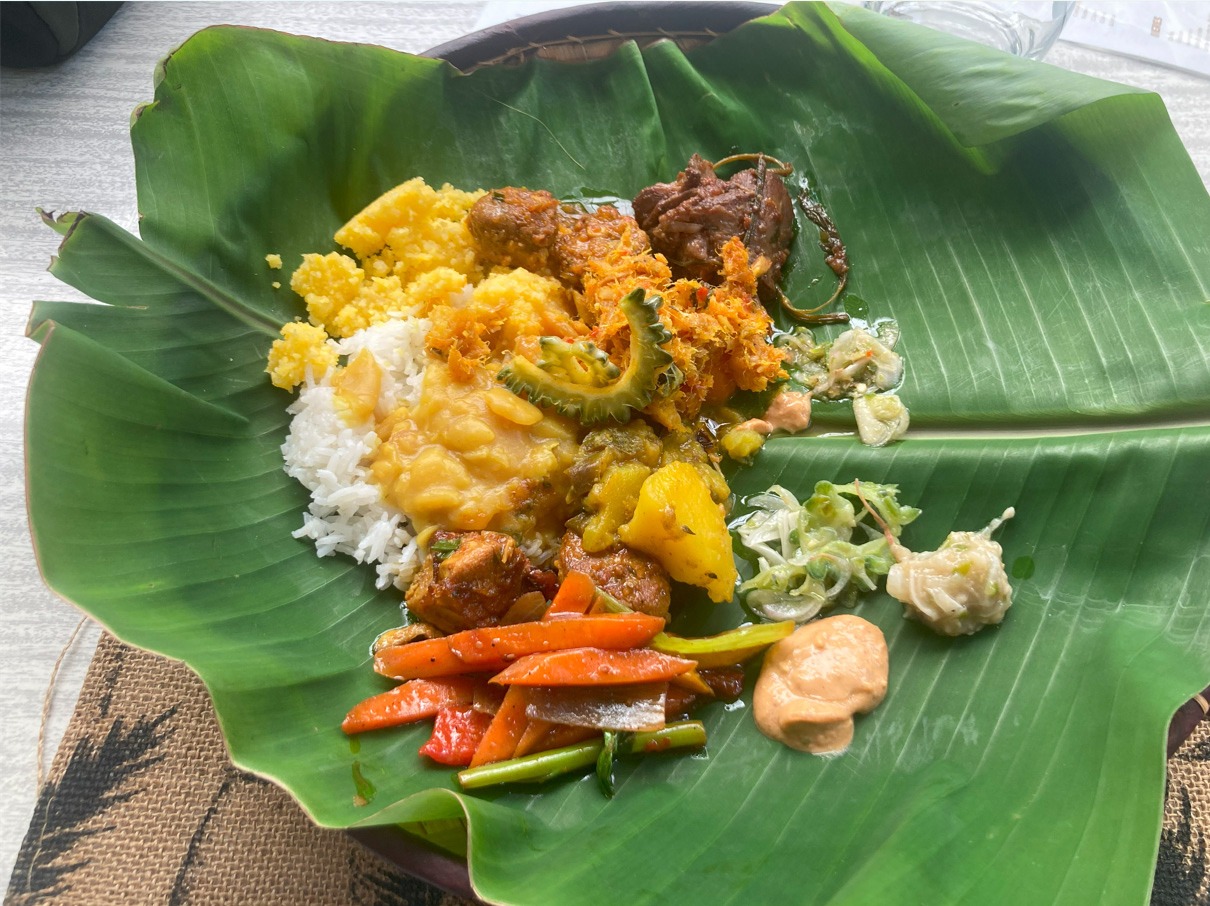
(727, 648)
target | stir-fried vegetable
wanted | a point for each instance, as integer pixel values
(592, 667)
(457, 734)
(543, 735)
(633, 707)
(561, 687)
(727, 648)
(575, 595)
(506, 729)
(820, 553)
(609, 751)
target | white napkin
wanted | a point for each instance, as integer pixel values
(1172, 34)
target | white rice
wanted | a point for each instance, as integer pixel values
(331, 457)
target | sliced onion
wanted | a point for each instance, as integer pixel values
(402, 635)
(487, 698)
(631, 708)
(778, 605)
(528, 608)
(844, 571)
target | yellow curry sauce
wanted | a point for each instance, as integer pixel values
(471, 455)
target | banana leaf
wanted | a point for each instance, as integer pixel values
(1044, 243)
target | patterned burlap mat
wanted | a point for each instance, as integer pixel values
(142, 806)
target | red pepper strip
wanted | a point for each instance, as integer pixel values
(575, 595)
(457, 733)
(507, 727)
(408, 703)
(493, 648)
(592, 667)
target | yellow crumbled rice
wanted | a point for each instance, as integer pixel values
(413, 228)
(440, 286)
(415, 257)
(274, 261)
(301, 345)
(413, 250)
(329, 283)
(523, 304)
(501, 310)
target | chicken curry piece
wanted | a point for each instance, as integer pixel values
(470, 580)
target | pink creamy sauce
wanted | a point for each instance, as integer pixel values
(790, 411)
(814, 681)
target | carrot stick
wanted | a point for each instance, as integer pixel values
(493, 648)
(430, 657)
(408, 703)
(592, 667)
(499, 743)
(575, 595)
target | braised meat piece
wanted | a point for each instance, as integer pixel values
(531, 229)
(470, 580)
(688, 221)
(516, 227)
(585, 237)
(633, 578)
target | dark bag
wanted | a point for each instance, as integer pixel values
(39, 34)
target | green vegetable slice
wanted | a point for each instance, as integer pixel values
(726, 648)
(578, 379)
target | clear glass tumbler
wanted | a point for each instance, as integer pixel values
(1023, 29)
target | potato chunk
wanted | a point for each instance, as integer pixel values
(678, 523)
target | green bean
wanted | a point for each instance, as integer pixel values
(545, 765)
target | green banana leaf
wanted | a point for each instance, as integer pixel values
(1044, 243)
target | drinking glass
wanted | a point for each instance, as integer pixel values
(1023, 29)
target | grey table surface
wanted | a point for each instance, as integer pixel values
(64, 145)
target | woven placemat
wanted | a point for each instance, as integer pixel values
(143, 806)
